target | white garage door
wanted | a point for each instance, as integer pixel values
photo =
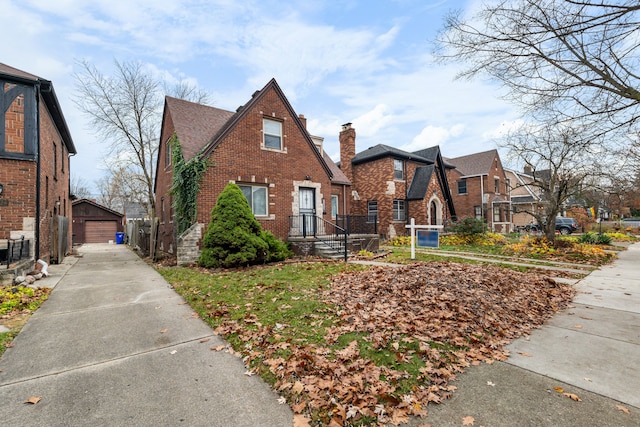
(100, 231)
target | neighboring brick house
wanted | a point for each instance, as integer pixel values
(263, 147)
(480, 188)
(394, 185)
(35, 145)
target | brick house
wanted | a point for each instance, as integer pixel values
(263, 147)
(394, 185)
(35, 145)
(481, 189)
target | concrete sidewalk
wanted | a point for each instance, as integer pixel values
(591, 350)
(115, 345)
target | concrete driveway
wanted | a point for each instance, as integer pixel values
(114, 345)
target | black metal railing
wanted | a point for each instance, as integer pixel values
(330, 234)
(358, 224)
(16, 250)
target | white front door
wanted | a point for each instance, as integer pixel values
(307, 209)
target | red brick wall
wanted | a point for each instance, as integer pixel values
(18, 199)
(465, 203)
(164, 174)
(240, 158)
(54, 169)
(14, 126)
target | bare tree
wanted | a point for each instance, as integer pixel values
(577, 59)
(79, 187)
(189, 92)
(122, 185)
(125, 110)
(562, 167)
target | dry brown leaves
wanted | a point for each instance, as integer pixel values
(456, 315)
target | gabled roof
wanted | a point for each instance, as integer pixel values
(91, 202)
(48, 95)
(474, 164)
(242, 111)
(431, 153)
(195, 124)
(520, 184)
(420, 182)
(381, 151)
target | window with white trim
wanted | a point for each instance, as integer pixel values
(334, 206)
(496, 213)
(372, 211)
(399, 210)
(462, 186)
(398, 169)
(478, 211)
(272, 131)
(257, 198)
(496, 184)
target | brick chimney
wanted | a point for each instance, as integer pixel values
(347, 149)
(303, 120)
(528, 169)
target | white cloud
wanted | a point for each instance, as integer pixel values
(370, 123)
(433, 135)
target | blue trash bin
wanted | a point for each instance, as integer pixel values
(119, 238)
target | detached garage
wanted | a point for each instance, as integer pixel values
(94, 223)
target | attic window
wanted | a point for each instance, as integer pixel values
(272, 131)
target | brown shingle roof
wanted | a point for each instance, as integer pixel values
(474, 164)
(338, 176)
(195, 124)
(10, 71)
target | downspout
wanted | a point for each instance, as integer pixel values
(482, 195)
(38, 184)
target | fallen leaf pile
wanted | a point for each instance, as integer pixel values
(439, 317)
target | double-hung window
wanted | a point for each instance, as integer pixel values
(257, 198)
(462, 186)
(272, 131)
(334, 206)
(399, 210)
(398, 169)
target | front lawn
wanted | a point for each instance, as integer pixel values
(355, 345)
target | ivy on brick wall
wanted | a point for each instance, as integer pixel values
(185, 185)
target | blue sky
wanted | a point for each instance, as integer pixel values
(365, 62)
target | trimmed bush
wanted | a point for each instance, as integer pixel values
(233, 237)
(277, 249)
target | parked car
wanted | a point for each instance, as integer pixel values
(564, 225)
(633, 222)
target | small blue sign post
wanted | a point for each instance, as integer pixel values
(428, 236)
